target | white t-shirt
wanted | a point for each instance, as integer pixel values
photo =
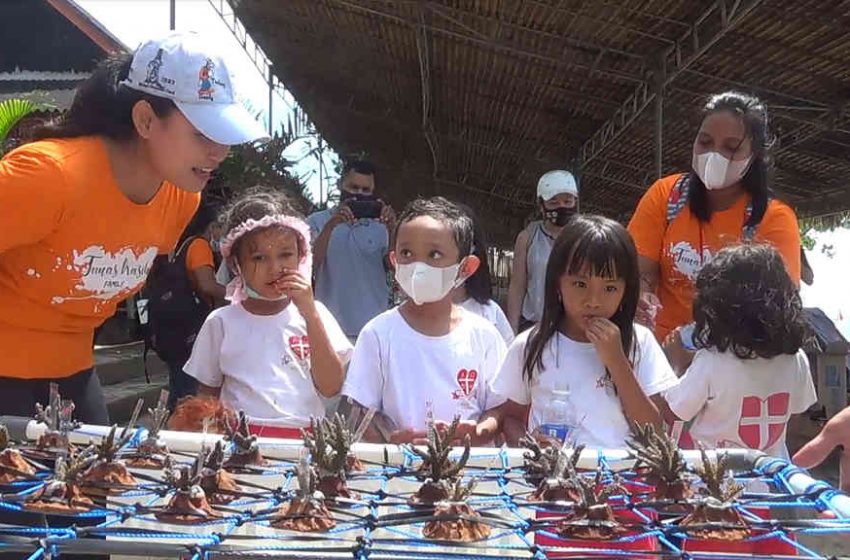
(576, 366)
(262, 363)
(493, 313)
(742, 403)
(397, 370)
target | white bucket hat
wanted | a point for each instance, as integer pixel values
(185, 68)
(555, 182)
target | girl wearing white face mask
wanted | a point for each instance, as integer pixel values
(686, 218)
(428, 356)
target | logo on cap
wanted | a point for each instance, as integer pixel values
(207, 81)
(153, 79)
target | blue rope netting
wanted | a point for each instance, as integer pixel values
(380, 524)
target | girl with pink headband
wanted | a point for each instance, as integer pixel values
(274, 352)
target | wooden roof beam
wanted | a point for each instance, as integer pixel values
(580, 14)
(758, 89)
(826, 204)
(566, 41)
(723, 15)
(385, 117)
(483, 86)
(465, 35)
(829, 121)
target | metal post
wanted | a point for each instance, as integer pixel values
(173, 9)
(659, 122)
(577, 170)
(271, 100)
(660, 71)
(321, 182)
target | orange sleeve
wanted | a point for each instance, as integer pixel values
(649, 221)
(33, 196)
(199, 254)
(779, 228)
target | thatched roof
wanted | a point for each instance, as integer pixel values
(477, 98)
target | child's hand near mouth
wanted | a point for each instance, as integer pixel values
(297, 288)
(605, 336)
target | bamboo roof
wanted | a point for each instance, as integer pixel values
(475, 99)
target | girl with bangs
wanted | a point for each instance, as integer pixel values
(586, 360)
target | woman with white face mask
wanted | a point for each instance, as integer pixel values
(684, 219)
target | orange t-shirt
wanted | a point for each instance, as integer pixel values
(674, 246)
(72, 247)
(199, 254)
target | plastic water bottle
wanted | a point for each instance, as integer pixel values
(557, 418)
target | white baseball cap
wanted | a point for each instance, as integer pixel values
(185, 68)
(555, 182)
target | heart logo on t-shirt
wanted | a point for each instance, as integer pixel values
(466, 380)
(762, 421)
(300, 346)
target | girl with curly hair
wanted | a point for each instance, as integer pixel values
(749, 373)
(275, 352)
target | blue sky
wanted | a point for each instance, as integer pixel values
(133, 20)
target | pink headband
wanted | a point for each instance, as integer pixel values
(236, 287)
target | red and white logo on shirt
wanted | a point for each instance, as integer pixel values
(466, 379)
(300, 346)
(763, 420)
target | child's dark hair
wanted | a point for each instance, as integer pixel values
(756, 181)
(103, 107)
(360, 166)
(444, 211)
(746, 303)
(479, 286)
(256, 203)
(606, 249)
(206, 214)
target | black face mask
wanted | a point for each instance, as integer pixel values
(559, 216)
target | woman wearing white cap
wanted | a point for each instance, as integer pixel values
(89, 205)
(557, 196)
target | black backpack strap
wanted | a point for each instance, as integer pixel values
(182, 250)
(145, 358)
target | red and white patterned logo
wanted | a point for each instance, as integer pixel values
(466, 381)
(763, 420)
(300, 346)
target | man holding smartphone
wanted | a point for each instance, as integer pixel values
(350, 244)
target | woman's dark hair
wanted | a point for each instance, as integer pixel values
(479, 286)
(747, 303)
(103, 107)
(206, 214)
(445, 211)
(255, 204)
(606, 249)
(756, 182)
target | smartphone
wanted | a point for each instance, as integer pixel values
(366, 209)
